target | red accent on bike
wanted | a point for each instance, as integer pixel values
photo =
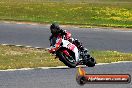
(71, 46)
(66, 52)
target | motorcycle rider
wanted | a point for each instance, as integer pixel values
(56, 30)
(56, 38)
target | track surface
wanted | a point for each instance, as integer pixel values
(37, 36)
(61, 78)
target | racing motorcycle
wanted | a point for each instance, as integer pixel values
(67, 56)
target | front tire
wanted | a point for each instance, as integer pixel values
(65, 59)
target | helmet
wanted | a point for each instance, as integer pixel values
(54, 28)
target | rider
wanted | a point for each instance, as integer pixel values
(58, 34)
(56, 30)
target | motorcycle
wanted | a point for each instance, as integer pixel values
(67, 56)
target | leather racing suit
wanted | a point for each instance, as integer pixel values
(60, 39)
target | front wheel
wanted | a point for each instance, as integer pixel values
(68, 61)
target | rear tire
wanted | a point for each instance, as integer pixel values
(91, 62)
(64, 59)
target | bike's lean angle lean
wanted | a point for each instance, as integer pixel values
(67, 56)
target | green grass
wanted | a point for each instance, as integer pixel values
(15, 57)
(111, 56)
(12, 57)
(106, 13)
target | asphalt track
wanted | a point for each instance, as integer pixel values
(37, 36)
(61, 78)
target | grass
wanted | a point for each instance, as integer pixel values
(12, 57)
(104, 13)
(15, 57)
(111, 56)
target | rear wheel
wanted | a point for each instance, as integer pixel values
(91, 62)
(68, 61)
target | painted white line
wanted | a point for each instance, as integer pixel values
(5, 44)
(62, 66)
(35, 68)
(124, 61)
(22, 46)
(39, 48)
(53, 67)
(28, 46)
(23, 69)
(19, 45)
(114, 62)
(121, 62)
(103, 63)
